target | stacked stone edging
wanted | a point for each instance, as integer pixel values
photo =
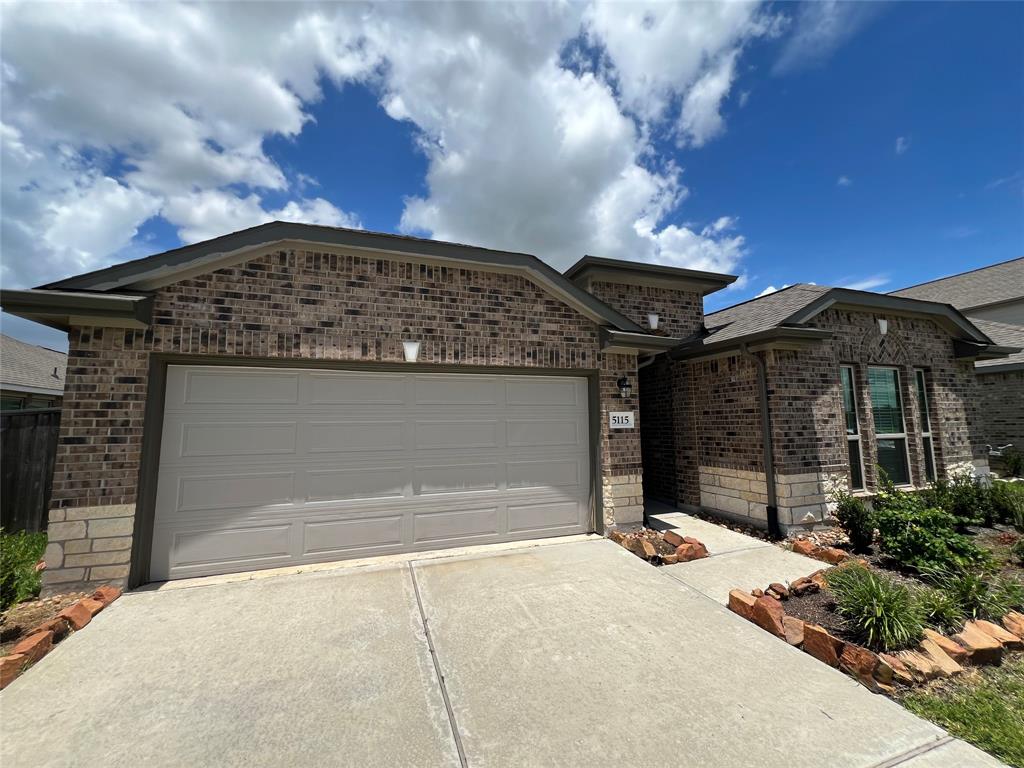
(40, 641)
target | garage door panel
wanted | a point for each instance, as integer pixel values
(535, 391)
(455, 478)
(229, 439)
(305, 466)
(545, 516)
(341, 536)
(545, 474)
(209, 386)
(459, 434)
(203, 547)
(237, 490)
(456, 525)
(356, 436)
(355, 484)
(532, 433)
(356, 389)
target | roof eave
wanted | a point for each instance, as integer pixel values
(597, 268)
(63, 309)
(771, 338)
(962, 348)
(613, 342)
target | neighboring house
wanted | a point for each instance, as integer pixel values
(30, 376)
(293, 393)
(993, 298)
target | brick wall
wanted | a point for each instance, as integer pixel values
(300, 305)
(712, 412)
(680, 313)
(1001, 408)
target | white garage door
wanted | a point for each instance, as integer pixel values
(264, 467)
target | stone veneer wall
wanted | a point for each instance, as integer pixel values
(1001, 405)
(307, 305)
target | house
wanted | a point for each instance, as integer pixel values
(293, 393)
(993, 298)
(30, 376)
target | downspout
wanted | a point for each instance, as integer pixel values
(766, 440)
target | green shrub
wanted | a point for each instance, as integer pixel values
(1007, 501)
(855, 519)
(980, 593)
(19, 553)
(881, 613)
(964, 497)
(941, 610)
(1013, 463)
(920, 536)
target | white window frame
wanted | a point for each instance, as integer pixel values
(921, 391)
(856, 436)
(903, 420)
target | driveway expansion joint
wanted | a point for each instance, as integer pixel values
(903, 757)
(437, 669)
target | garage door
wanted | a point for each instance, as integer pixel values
(264, 467)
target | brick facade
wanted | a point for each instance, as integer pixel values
(307, 305)
(1001, 407)
(680, 313)
(709, 452)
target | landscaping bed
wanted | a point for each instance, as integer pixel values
(660, 547)
(20, 620)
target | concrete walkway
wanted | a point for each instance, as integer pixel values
(736, 561)
(562, 655)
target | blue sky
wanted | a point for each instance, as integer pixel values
(873, 145)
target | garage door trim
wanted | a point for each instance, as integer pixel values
(142, 540)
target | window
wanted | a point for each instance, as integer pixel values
(890, 432)
(926, 425)
(852, 427)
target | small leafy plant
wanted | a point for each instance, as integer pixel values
(882, 614)
(854, 518)
(963, 496)
(1007, 501)
(1017, 552)
(19, 553)
(1013, 462)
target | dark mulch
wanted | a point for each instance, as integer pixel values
(819, 608)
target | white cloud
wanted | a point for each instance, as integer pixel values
(844, 181)
(866, 283)
(116, 114)
(772, 289)
(820, 28)
(902, 144)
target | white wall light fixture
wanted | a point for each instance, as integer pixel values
(883, 326)
(652, 321)
(411, 350)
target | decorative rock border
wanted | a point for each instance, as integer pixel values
(979, 642)
(40, 641)
(831, 555)
(660, 547)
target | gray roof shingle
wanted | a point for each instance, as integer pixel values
(977, 288)
(28, 366)
(763, 313)
(1005, 335)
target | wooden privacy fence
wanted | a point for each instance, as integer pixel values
(28, 447)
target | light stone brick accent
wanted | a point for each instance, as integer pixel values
(91, 546)
(743, 494)
(623, 499)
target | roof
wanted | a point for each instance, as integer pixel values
(643, 273)
(131, 280)
(782, 318)
(762, 313)
(28, 368)
(1006, 335)
(982, 287)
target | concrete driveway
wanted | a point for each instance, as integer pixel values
(574, 654)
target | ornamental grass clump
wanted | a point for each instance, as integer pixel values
(881, 613)
(979, 593)
(942, 611)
